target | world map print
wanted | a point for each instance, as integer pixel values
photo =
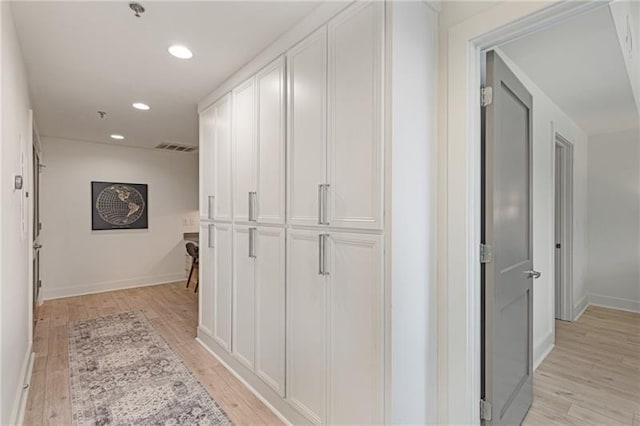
(120, 205)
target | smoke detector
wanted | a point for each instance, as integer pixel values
(137, 9)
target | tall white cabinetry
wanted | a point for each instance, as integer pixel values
(294, 297)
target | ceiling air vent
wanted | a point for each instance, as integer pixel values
(169, 146)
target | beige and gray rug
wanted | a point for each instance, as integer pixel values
(124, 373)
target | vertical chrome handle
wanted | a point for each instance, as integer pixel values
(210, 237)
(325, 203)
(320, 254)
(325, 237)
(252, 206)
(320, 206)
(252, 243)
(210, 206)
(255, 206)
(323, 190)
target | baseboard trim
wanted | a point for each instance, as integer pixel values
(59, 293)
(274, 402)
(542, 349)
(22, 392)
(580, 307)
(629, 305)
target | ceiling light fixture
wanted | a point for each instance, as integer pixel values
(180, 52)
(118, 137)
(141, 106)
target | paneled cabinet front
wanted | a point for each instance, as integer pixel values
(334, 326)
(216, 267)
(258, 302)
(335, 145)
(259, 147)
(244, 151)
(215, 157)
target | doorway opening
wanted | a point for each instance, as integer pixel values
(563, 218)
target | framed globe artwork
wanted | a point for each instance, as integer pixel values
(118, 206)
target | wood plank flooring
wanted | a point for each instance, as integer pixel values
(173, 310)
(592, 376)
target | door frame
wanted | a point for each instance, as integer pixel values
(566, 229)
(459, 214)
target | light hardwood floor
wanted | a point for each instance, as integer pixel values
(592, 376)
(173, 311)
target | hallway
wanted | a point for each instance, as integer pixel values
(172, 309)
(592, 376)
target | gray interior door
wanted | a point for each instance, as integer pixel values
(507, 378)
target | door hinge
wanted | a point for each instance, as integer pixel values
(485, 410)
(486, 96)
(486, 254)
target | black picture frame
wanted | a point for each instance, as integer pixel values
(117, 205)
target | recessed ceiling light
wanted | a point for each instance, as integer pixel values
(141, 106)
(180, 52)
(118, 137)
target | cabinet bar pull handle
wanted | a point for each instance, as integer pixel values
(325, 204)
(210, 236)
(320, 254)
(324, 253)
(320, 206)
(211, 199)
(252, 243)
(252, 206)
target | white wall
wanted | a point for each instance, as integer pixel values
(413, 213)
(77, 260)
(614, 220)
(15, 310)
(547, 119)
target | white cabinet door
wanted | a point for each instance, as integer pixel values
(355, 117)
(206, 279)
(270, 303)
(271, 144)
(243, 295)
(221, 202)
(221, 239)
(354, 268)
(207, 136)
(244, 149)
(306, 144)
(306, 326)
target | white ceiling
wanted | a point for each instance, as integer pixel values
(82, 57)
(579, 65)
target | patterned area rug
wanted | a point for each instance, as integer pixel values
(124, 373)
